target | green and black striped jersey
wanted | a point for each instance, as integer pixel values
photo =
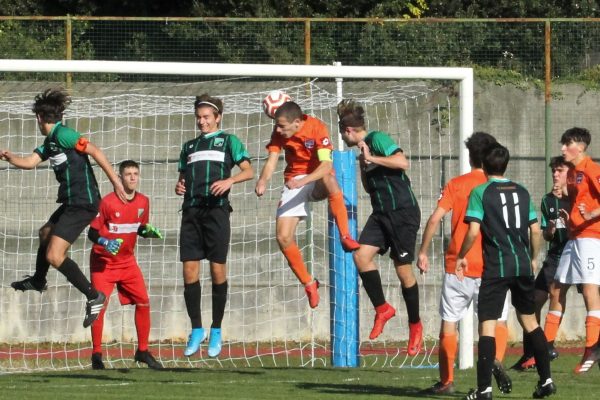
(389, 188)
(550, 208)
(77, 183)
(505, 211)
(205, 160)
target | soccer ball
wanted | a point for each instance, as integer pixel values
(273, 101)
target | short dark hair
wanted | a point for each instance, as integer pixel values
(351, 114)
(127, 164)
(290, 111)
(204, 100)
(577, 135)
(495, 159)
(558, 161)
(477, 143)
(50, 105)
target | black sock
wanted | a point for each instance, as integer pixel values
(411, 298)
(191, 294)
(41, 265)
(372, 283)
(527, 345)
(485, 361)
(540, 352)
(71, 271)
(219, 300)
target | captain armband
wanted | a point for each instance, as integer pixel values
(81, 144)
(324, 155)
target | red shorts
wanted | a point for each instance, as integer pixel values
(129, 280)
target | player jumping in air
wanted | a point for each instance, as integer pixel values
(78, 194)
(308, 177)
(205, 179)
(393, 223)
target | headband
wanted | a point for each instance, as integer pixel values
(209, 104)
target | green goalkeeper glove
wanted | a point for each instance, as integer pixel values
(148, 231)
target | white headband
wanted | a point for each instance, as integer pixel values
(209, 104)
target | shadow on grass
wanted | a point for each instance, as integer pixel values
(340, 388)
(99, 377)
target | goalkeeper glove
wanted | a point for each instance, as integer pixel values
(148, 231)
(111, 245)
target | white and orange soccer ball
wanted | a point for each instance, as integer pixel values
(273, 101)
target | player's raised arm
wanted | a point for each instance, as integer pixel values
(27, 162)
(97, 154)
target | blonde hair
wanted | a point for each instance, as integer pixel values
(351, 114)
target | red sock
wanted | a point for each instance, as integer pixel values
(592, 329)
(340, 214)
(448, 349)
(142, 325)
(97, 327)
(501, 340)
(294, 257)
(551, 326)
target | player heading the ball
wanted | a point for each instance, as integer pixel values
(78, 195)
(308, 176)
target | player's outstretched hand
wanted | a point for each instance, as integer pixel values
(111, 245)
(4, 155)
(151, 232)
(120, 191)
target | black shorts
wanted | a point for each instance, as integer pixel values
(205, 234)
(395, 230)
(546, 275)
(492, 293)
(68, 221)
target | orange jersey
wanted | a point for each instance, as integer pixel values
(455, 198)
(301, 149)
(583, 184)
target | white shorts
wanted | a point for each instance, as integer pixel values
(294, 202)
(579, 262)
(457, 296)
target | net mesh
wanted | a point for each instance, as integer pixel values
(267, 320)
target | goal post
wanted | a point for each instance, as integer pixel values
(346, 348)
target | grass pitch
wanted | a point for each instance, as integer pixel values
(279, 383)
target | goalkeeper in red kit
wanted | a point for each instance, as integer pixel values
(112, 260)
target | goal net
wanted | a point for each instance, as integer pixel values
(267, 320)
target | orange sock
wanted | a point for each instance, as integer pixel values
(592, 329)
(448, 349)
(501, 340)
(340, 214)
(294, 257)
(551, 326)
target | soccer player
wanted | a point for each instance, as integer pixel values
(580, 259)
(205, 180)
(555, 207)
(456, 295)
(78, 194)
(112, 260)
(393, 224)
(503, 211)
(308, 177)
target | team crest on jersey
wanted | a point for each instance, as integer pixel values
(598, 179)
(325, 141)
(140, 212)
(579, 178)
(117, 214)
(309, 144)
(219, 142)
